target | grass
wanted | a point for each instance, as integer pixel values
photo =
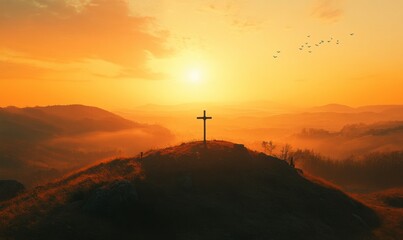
(189, 192)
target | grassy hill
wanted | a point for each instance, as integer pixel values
(187, 192)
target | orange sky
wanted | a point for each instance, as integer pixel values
(120, 54)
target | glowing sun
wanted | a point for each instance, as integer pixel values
(194, 75)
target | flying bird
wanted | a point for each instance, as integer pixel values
(310, 51)
(275, 56)
(278, 51)
(351, 34)
(308, 36)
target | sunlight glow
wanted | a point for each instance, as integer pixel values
(194, 75)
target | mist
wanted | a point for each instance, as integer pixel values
(338, 132)
(43, 143)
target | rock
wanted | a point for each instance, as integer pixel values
(9, 189)
(115, 199)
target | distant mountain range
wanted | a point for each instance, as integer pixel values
(338, 108)
(37, 143)
(52, 121)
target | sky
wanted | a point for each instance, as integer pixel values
(125, 53)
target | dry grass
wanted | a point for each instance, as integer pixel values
(223, 192)
(41, 200)
(392, 216)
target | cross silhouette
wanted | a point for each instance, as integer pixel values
(204, 120)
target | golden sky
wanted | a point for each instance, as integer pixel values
(120, 54)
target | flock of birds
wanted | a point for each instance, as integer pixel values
(309, 46)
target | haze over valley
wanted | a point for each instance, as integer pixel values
(201, 119)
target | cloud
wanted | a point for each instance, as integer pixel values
(221, 7)
(14, 65)
(245, 24)
(328, 10)
(233, 12)
(77, 30)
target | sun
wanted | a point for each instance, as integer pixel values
(194, 75)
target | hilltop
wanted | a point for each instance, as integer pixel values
(187, 192)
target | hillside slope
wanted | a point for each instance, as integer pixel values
(187, 192)
(389, 206)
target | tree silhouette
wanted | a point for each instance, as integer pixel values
(268, 147)
(285, 152)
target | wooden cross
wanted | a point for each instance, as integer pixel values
(204, 120)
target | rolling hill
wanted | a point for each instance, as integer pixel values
(51, 121)
(352, 139)
(187, 192)
(40, 143)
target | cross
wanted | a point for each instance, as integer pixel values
(204, 120)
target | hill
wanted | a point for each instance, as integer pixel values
(40, 143)
(46, 122)
(187, 192)
(352, 139)
(335, 108)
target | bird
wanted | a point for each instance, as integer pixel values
(351, 34)
(306, 43)
(310, 51)
(316, 45)
(300, 48)
(308, 36)
(309, 46)
(275, 56)
(278, 51)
